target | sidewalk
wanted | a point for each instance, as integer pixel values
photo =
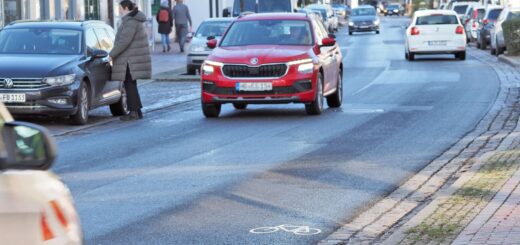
(166, 62)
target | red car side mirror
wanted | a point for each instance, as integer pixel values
(212, 43)
(327, 42)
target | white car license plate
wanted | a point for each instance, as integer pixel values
(10, 98)
(437, 43)
(260, 86)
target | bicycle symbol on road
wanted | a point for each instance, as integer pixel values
(299, 230)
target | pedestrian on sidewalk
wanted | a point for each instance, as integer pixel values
(181, 15)
(131, 56)
(165, 19)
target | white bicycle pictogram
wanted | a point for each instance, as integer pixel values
(300, 230)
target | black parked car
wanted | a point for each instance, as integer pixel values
(59, 69)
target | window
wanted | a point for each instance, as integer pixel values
(494, 14)
(214, 28)
(460, 9)
(268, 32)
(40, 41)
(437, 20)
(363, 11)
(91, 39)
(105, 42)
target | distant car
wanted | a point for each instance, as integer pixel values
(273, 59)
(341, 10)
(394, 9)
(327, 13)
(35, 206)
(435, 32)
(474, 17)
(198, 51)
(462, 9)
(58, 68)
(363, 19)
(498, 43)
(486, 25)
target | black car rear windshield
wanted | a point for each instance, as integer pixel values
(40, 41)
(363, 11)
(461, 9)
(493, 14)
(268, 32)
(437, 20)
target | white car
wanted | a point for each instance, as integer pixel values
(473, 18)
(498, 42)
(35, 206)
(462, 8)
(435, 32)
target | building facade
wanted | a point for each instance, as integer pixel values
(106, 10)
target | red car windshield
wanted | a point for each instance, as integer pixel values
(268, 32)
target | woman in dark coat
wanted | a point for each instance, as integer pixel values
(165, 19)
(131, 56)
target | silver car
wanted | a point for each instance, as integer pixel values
(498, 43)
(198, 51)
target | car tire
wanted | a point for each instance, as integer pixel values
(461, 55)
(336, 99)
(121, 107)
(316, 107)
(350, 33)
(483, 44)
(411, 56)
(83, 104)
(478, 44)
(191, 70)
(211, 110)
(377, 32)
(492, 51)
(240, 106)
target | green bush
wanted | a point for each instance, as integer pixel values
(512, 36)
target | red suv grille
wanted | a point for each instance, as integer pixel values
(235, 71)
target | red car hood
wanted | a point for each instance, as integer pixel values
(264, 54)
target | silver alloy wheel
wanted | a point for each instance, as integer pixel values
(84, 103)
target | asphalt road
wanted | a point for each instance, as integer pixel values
(178, 178)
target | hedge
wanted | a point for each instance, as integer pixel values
(512, 36)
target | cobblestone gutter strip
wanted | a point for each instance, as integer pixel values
(388, 214)
(456, 211)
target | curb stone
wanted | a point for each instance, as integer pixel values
(176, 75)
(390, 213)
(510, 61)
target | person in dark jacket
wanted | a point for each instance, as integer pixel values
(182, 17)
(165, 19)
(131, 56)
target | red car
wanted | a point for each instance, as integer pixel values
(273, 59)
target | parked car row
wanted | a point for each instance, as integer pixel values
(483, 23)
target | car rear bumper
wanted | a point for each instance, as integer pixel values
(196, 60)
(452, 46)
